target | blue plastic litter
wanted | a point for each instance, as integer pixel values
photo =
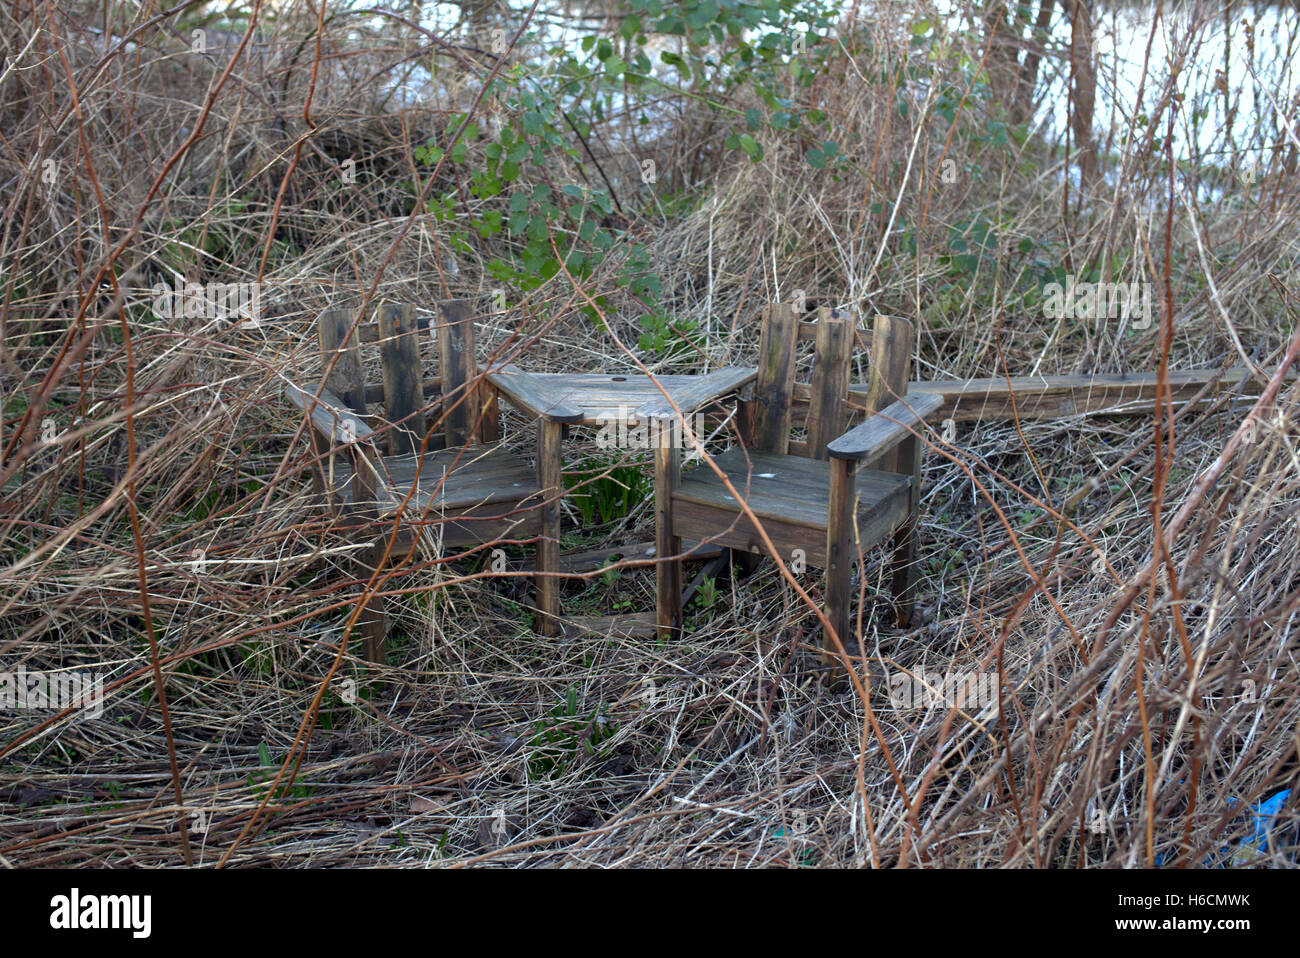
(1265, 815)
(1249, 849)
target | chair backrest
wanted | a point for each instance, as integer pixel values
(406, 396)
(835, 337)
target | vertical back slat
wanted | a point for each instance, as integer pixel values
(775, 385)
(459, 369)
(827, 412)
(346, 379)
(892, 339)
(399, 351)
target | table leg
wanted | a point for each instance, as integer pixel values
(668, 571)
(550, 476)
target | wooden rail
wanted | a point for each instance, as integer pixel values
(1058, 397)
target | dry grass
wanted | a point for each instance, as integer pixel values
(167, 538)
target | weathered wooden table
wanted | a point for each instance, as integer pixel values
(607, 400)
(596, 399)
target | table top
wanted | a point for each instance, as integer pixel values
(592, 399)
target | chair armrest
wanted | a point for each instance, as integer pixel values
(329, 414)
(886, 429)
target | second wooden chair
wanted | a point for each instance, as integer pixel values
(810, 498)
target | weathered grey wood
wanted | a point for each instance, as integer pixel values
(399, 353)
(461, 477)
(828, 414)
(338, 345)
(891, 360)
(370, 333)
(550, 479)
(329, 414)
(775, 378)
(593, 560)
(459, 372)
(668, 545)
(888, 428)
(791, 498)
(904, 559)
(1059, 397)
(533, 395)
(720, 523)
(600, 399)
(892, 339)
(691, 392)
(633, 626)
(373, 620)
(808, 333)
(840, 555)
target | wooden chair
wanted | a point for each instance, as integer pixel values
(808, 495)
(456, 487)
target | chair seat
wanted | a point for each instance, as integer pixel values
(490, 483)
(791, 495)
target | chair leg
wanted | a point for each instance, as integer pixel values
(744, 562)
(903, 561)
(839, 561)
(668, 573)
(550, 476)
(373, 621)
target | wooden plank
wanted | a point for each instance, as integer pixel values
(903, 561)
(550, 478)
(808, 333)
(329, 415)
(370, 333)
(728, 527)
(892, 339)
(532, 394)
(890, 427)
(1059, 397)
(775, 378)
(338, 346)
(636, 626)
(828, 415)
(788, 489)
(460, 528)
(463, 476)
(459, 372)
(399, 353)
(668, 570)
(691, 392)
(592, 560)
(878, 515)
